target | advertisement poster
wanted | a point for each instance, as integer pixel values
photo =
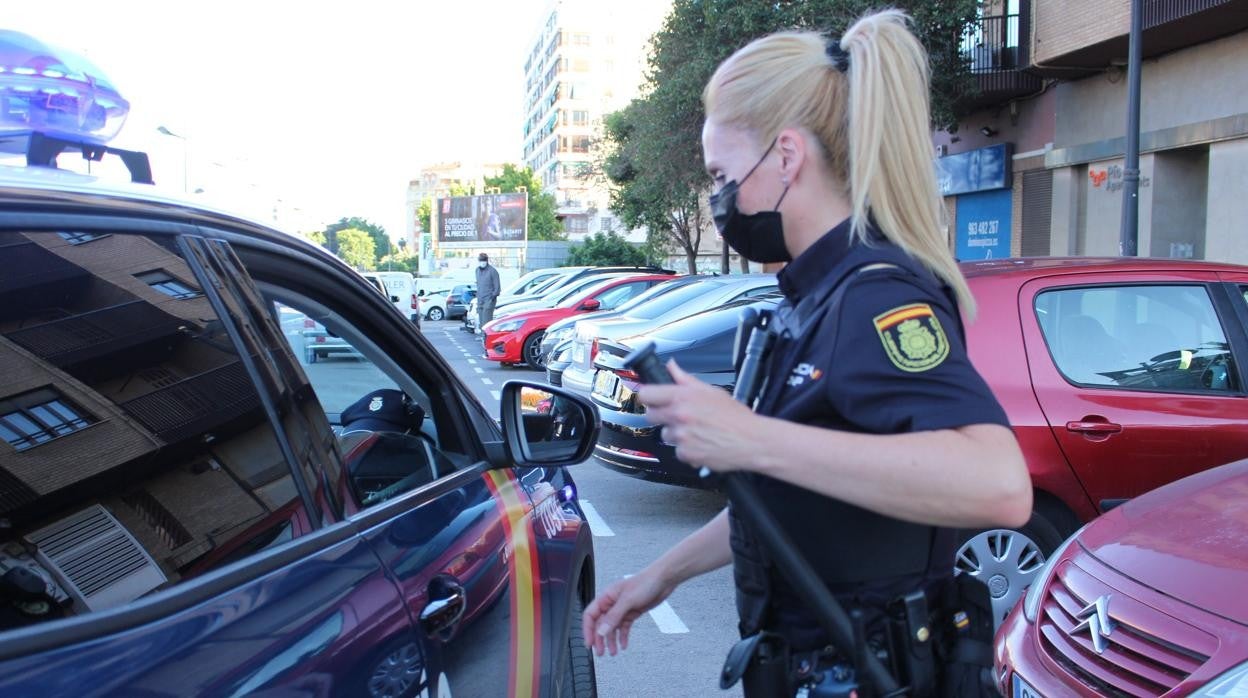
(983, 230)
(975, 170)
(483, 219)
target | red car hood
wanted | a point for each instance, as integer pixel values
(1188, 540)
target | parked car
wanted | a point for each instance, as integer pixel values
(531, 280)
(563, 330)
(702, 345)
(548, 300)
(570, 275)
(459, 299)
(711, 293)
(1147, 600)
(252, 525)
(434, 304)
(557, 360)
(517, 338)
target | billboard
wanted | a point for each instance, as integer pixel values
(984, 225)
(483, 219)
(975, 170)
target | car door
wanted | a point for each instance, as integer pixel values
(458, 538)
(1139, 376)
(166, 531)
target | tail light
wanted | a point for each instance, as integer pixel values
(415, 302)
(627, 375)
(593, 351)
(309, 323)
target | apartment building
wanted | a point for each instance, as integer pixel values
(586, 59)
(1037, 166)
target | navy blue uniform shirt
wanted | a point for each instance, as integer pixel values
(890, 358)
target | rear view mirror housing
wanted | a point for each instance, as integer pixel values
(546, 426)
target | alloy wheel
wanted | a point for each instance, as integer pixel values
(394, 676)
(1005, 561)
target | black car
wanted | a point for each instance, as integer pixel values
(458, 300)
(703, 345)
(560, 358)
(190, 508)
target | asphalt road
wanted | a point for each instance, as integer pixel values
(678, 649)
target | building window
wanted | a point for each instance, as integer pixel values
(580, 40)
(168, 285)
(580, 65)
(580, 118)
(79, 238)
(36, 418)
(580, 144)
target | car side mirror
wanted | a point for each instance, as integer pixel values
(544, 425)
(591, 304)
(394, 299)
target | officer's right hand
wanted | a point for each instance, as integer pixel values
(610, 616)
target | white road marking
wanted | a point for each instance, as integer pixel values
(596, 524)
(472, 361)
(487, 381)
(496, 395)
(479, 370)
(669, 623)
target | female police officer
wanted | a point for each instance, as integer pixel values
(874, 436)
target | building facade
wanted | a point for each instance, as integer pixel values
(586, 60)
(1037, 166)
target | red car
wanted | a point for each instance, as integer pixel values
(518, 338)
(1145, 601)
(1118, 376)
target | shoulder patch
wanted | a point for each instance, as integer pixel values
(912, 337)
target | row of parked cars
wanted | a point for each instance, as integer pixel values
(1124, 384)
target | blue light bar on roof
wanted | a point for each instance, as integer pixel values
(54, 92)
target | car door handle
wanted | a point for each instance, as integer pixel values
(1094, 428)
(444, 612)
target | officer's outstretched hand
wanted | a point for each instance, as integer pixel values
(610, 616)
(707, 427)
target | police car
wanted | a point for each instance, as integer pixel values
(191, 509)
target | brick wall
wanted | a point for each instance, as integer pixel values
(1063, 26)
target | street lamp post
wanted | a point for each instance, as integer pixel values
(185, 154)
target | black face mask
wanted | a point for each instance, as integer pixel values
(759, 237)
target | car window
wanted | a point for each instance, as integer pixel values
(756, 292)
(136, 452)
(390, 426)
(647, 306)
(1154, 337)
(612, 298)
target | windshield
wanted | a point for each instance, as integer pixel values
(564, 298)
(528, 282)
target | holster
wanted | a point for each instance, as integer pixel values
(761, 663)
(966, 652)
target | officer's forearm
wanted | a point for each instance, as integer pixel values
(700, 552)
(969, 477)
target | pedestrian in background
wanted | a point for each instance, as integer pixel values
(874, 438)
(488, 288)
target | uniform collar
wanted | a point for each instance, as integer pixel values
(810, 270)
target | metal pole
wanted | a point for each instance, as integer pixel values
(1129, 240)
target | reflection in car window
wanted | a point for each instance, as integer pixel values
(133, 434)
(1164, 338)
(386, 422)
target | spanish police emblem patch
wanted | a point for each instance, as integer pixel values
(912, 337)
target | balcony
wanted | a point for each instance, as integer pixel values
(29, 274)
(1168, 25)
(96, 334)
(996, 49)
(196, 405)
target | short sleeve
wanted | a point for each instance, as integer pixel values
(900, 363)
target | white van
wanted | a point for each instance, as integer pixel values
(401, 288)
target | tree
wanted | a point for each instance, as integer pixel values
(606, 249)
(543, 223)
(357, 248)
(317, 237)
(424, 215)
(381, 242)
(652, 148)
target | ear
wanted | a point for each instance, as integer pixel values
(793, 149)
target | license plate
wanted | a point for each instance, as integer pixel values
(1022, 689)
(605, 383)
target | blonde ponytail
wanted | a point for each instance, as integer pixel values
(891, 173)
(872, 121)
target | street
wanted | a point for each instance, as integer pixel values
(679, 648)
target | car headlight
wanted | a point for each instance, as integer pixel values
(1035, 592)
(505, 326)
(1232, 684)
(560, 335)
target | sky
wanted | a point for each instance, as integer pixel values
(322, 109)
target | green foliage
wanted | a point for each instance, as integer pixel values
(357, 248)
(606, 249)
(381, 243)
(652, 148)
(543, 223)
(317, 237)
(410, 265)
(424, 215)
